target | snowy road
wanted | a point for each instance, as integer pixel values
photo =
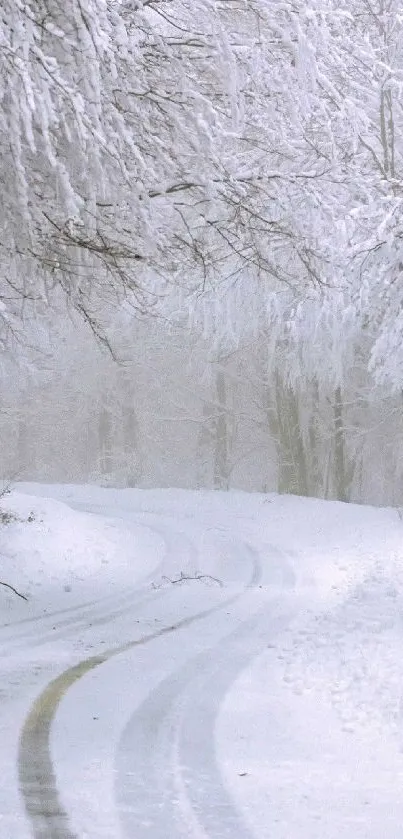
(173, 707)
(162, 782)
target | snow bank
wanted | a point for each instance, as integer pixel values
(44, 545)
(333, 546)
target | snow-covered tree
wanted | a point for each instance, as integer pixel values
(112, 120)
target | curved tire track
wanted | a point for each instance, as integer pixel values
(94, 613)
(37, 780)
(74, 617)
(168, 780)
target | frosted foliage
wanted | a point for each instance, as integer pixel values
(112, 131)
(138, 136)
(325, 148)
(235, 169)
(192, 142)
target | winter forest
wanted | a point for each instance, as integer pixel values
(201, 244)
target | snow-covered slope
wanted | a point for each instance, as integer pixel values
(47, 549)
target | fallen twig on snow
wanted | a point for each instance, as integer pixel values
(18, 593)
(186, 577)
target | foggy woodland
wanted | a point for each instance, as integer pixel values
(201, 245)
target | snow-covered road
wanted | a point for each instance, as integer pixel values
(208, 690)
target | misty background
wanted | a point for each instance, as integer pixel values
(201, 259)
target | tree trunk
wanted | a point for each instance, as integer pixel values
(105, 441)
(340, 469)
(221, 434)
(292, 466)
(131, 443)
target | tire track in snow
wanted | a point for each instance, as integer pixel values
(95, 613)
(37, 781)
(96, 617)
(22, 629)
(159, 790)
(168, 780)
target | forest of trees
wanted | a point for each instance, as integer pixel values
(201, 244)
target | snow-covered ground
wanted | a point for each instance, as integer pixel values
(198, 664)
